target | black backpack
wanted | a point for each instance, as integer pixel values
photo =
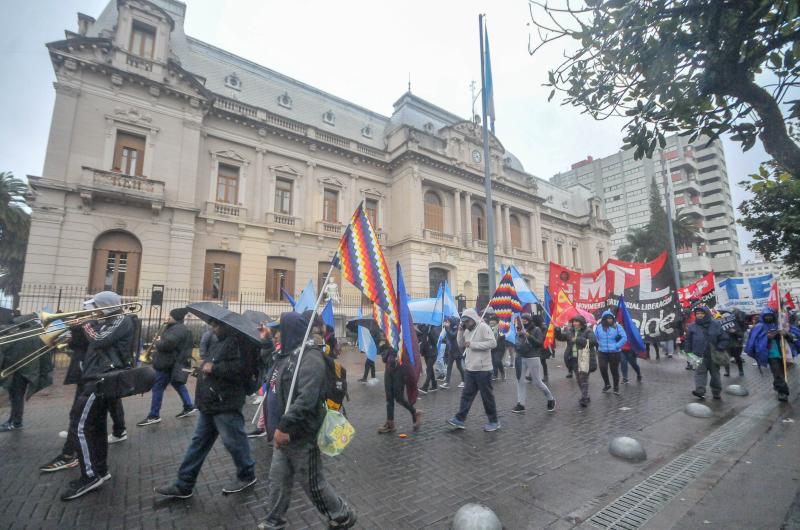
(335, 383)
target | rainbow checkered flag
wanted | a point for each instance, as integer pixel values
(505, 302)
(361, 260)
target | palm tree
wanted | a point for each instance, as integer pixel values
(685, 230)
(14, 228)
(639, 246)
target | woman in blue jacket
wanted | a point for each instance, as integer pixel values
(610, 339)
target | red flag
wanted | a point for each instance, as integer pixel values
(788, 303)
(773, 302)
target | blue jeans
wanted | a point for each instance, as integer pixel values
(162, 380)
(629, 357)
(229, 425)
(474, 383)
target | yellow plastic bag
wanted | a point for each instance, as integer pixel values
(335, 434)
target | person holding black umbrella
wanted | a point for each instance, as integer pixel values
(220, 396)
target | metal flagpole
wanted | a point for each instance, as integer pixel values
(487, 177)
(676, 271)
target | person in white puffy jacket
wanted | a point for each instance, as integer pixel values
(477, 339)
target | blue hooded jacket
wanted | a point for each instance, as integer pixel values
(611, 339)
(757, 345)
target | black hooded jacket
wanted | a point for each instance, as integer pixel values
(575, 338)
(223, 389)
(704, 333)
(530, 343)
(175, 347)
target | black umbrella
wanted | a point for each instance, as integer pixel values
(365, 322)
(258, 317)
(207, 311)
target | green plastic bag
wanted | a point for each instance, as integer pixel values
(335, 434)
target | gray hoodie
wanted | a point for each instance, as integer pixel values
(478, 356)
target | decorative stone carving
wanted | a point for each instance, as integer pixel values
(133, 115)
(332, 292)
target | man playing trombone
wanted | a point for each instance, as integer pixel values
(110, 345)
(173, 352)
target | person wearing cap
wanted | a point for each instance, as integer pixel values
(477, 339)
(173, 353)
(702, 336)
(110, 348)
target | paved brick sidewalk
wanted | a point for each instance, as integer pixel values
(533, 472)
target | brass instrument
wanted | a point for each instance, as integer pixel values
(148, 353)
(70, 318)
(51, 339)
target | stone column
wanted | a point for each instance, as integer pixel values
(498, 227)
(457, 215)
(507, 226)
(312, 194)
(468, 219)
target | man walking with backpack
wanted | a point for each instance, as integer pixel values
(220, 396)
(296, 453)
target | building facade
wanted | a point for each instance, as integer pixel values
(786, 283)
(174, 162)
(697, 184)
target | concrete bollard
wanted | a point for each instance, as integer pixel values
(475, 517)
(627, 449)
(698, 410)
(736, 390)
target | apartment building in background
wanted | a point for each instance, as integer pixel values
(697, 184)
(173, 162)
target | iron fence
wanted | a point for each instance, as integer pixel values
(157, 301)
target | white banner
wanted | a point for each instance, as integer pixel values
(748, 294)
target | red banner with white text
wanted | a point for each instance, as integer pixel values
(702, 291)
(649, 290)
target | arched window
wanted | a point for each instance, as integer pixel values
(436, 276)
(478, 223)
(116, 257)
(516, 232)
(434, 216)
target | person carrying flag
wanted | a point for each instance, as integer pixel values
(764, 344)
(476, 337)
(394, 385)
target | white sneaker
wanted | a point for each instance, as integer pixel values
(461, 384)
(115, 440)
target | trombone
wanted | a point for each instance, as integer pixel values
(69, 318)
(52, 340)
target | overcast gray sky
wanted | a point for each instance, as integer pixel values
(361, 50)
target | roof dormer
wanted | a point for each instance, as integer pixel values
(142, 37)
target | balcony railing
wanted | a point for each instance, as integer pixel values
(225, 209)
(328, 228)
(479, 243)
(435, 235)
(120, 187)
(281, 220)
(139, 62)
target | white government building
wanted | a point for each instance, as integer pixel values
(171, 161)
